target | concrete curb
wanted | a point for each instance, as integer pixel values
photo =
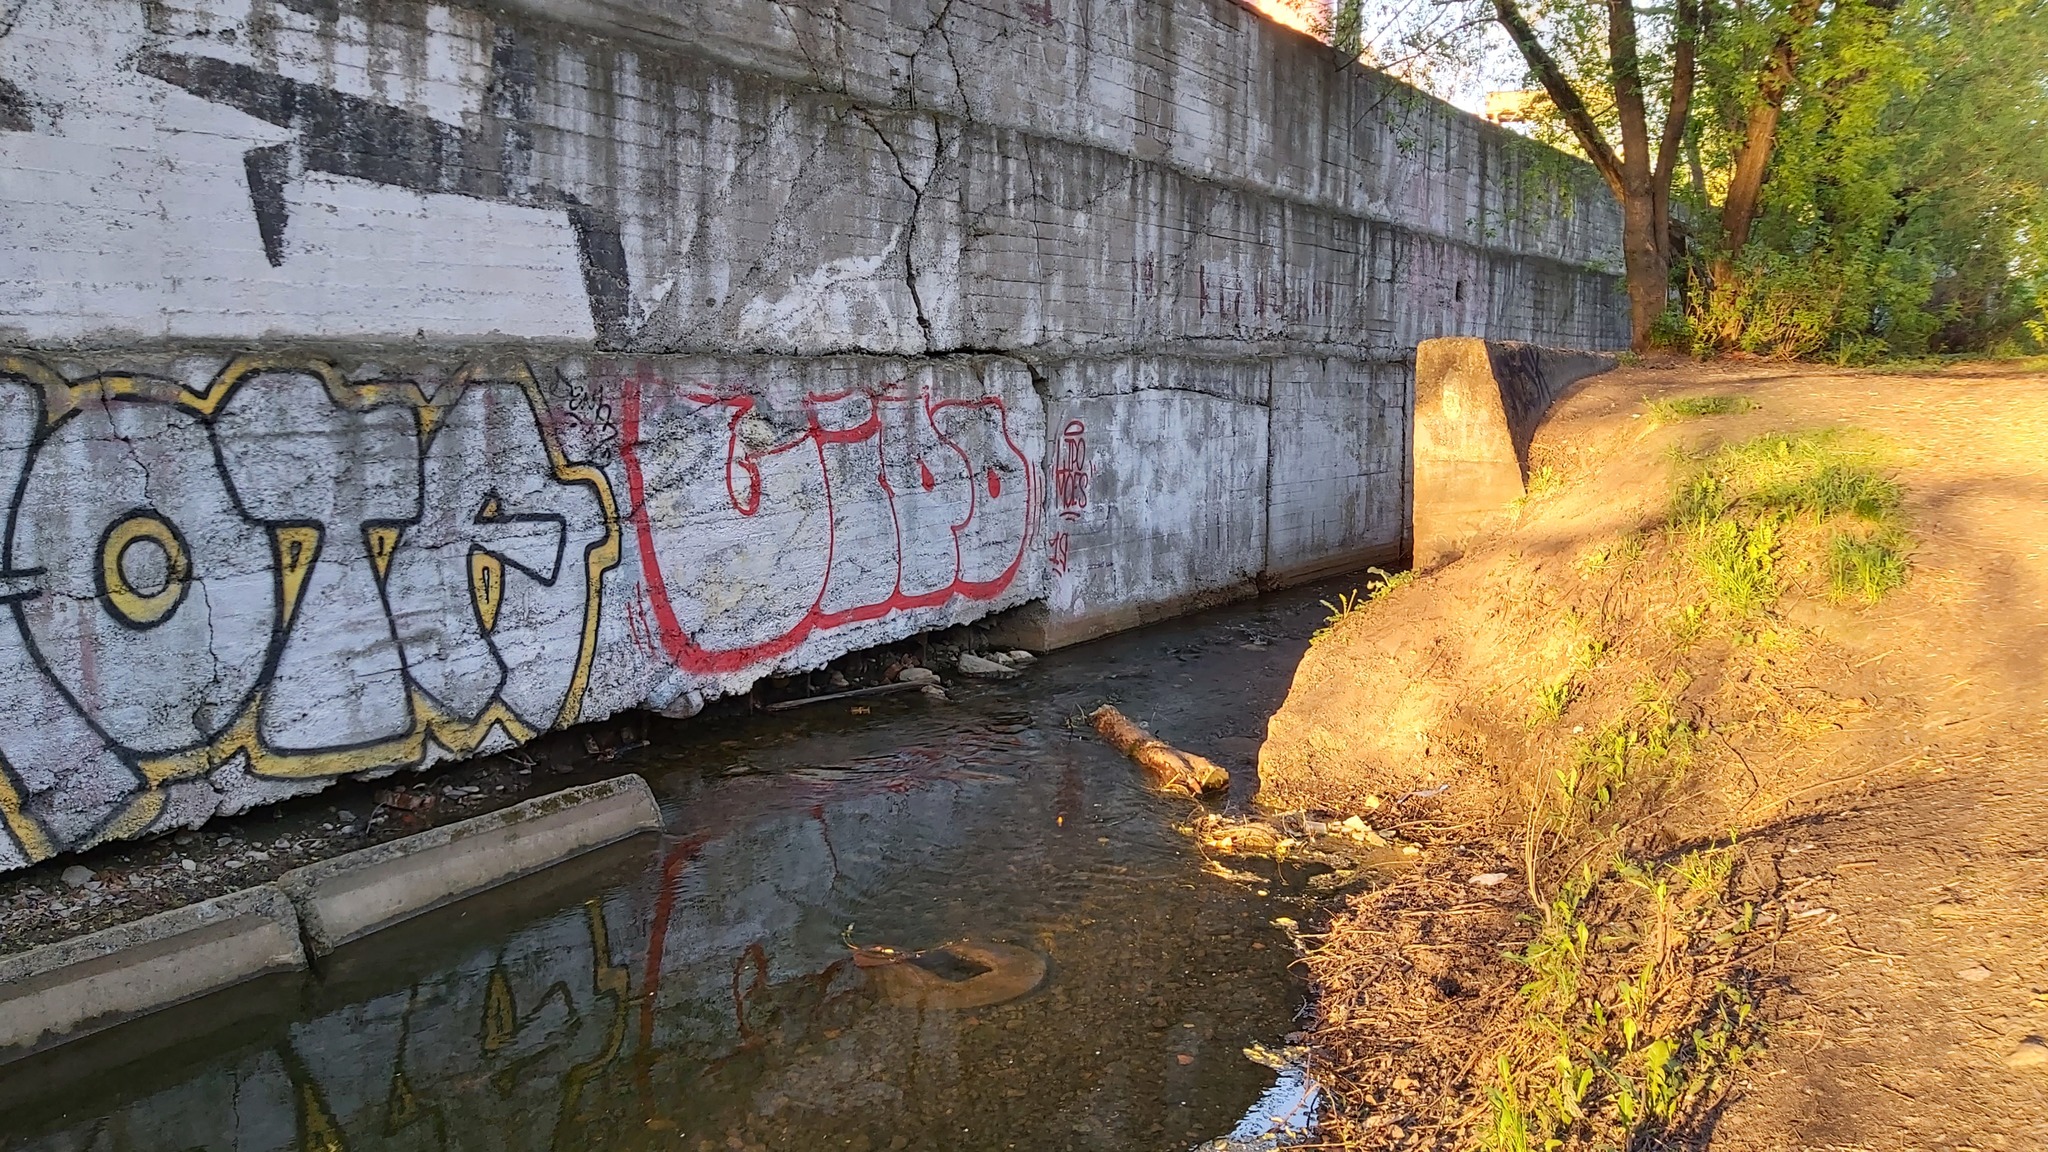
(351, 896)
(75, 987)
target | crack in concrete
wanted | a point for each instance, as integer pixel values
(909, 240)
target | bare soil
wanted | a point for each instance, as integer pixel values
(1884, 769)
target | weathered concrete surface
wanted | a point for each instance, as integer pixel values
(1477, 406)
(62, 991)
(393, 381)
(349, 897)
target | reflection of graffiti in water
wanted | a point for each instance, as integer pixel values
(549, 1016)
(869, 503)
(283, 573)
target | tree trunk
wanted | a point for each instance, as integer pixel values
(1640, 182)
(1645, 255)
(1760, 138)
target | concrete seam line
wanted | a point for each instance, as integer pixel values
(73, 988)
(350, 896)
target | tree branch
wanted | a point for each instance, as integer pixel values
(1559, 88)
(1684, 68)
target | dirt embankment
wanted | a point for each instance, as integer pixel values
(1729, 750)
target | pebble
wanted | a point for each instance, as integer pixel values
(188, 864)
(1020, 657)
(974, 665)
(934, 691)
(1489, 879)
(916, 675)
(1975, 973)
(77, 875)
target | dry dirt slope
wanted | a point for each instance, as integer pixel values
(1897, 758)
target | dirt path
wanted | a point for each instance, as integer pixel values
(1918, 964)
(1887, 766)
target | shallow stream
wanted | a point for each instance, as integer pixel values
(698, 990)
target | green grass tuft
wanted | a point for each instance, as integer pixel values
(1760, 512)
(1866, 567)
(1673, 409)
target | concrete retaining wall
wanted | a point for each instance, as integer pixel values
(392, 381)
(1477, 406)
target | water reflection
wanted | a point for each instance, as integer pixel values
(700, 990)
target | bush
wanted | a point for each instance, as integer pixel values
(1774, 307)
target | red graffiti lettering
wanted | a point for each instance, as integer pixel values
(1057, 552)
(1070, 474)
(754, 537)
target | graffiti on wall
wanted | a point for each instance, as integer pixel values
(281, 572)
(1070, 478)
(856, 505)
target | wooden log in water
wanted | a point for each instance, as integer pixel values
(1170, 769)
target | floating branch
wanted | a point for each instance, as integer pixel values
(1171, 769)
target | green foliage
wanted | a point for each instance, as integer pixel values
(1773, 305)
(1865, 567)
(1672, 331)
(1347, 27)
(1600, 1060)
(1379, 583)
(1673, 409)
(1743, 506)
(1908, 191)
(1346, 605)
(1553, 696)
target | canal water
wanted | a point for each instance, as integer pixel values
(700, 990)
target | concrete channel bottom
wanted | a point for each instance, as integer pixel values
(64, 991)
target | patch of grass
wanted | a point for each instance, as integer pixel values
(1553, 696)
(1347, 604)
(1865, 567)
(1543, 480)
(1688, 624)
(1382, 582)
(1763, 511)
(1628, 1024)
(1739, 562)
(1673, 409)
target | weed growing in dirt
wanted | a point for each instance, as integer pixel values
(1544, 480)
(1379, 583)
(1553, 697)
(1673, 409)
(1866, 567)
(1603, 558)
(1382, 582)
(1764, 512)
(1628, 1023)
(1345, 605)
(1688, 624)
